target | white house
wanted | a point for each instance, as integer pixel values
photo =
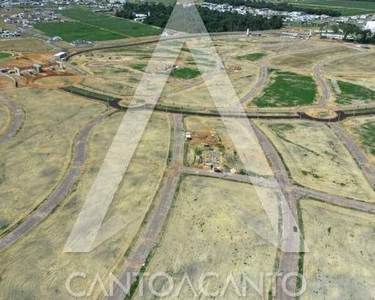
(370, 25)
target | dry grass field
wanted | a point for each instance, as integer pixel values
(361, 129)
(25, 45)
(340, 263)
(34, 161)
(210, 230)
(36, 268)
(308, 58)
(317, 159)
(5, 118)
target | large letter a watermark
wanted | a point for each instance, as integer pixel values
(184, 24)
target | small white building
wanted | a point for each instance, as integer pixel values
(371, 26)
(60, 55)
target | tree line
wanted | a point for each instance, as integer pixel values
(280, 6)
(352, 31)
(184, 17)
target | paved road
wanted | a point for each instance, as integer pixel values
(260, 181)
(261, 82)
(290, 239)
(17, 116)
(151, 231)
(358, 154)
(37, 216)
(334, 199)
(326, 91)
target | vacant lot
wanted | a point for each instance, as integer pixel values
(36, 268)
(363, 131)
(210, 230)
(317, 159)
(301, 60)
(34, 161)
(340, 264)
(5, 55)
(252, 56)
(350, 93)
(24, 45)
(287, 89)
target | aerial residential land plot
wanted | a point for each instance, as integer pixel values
(316, 52)
(24, 45)
(37, 260)
(351, 93)
(317, 159)
(210, 229)
(209, 135)
(340, 263)
(43, 145)
(362, 131)
(287, 89)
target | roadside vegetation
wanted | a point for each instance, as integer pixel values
(252, 56)
(287, 89)
(349, 93)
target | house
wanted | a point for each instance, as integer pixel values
(371, 26)
(60, 55)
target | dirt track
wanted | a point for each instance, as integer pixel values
(17, 116)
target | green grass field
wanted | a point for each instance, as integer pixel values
(185, 73)
(287, 89)
(4, 55)
(345, 7)
(350, 92)
(91, 26)
(252, 56)
(367, 133)
(139, 66)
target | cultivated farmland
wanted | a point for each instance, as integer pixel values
(91, 26)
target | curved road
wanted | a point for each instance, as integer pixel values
(152, 230)
(17, 116)
(42, 211)
(261, 82)
(326, 91)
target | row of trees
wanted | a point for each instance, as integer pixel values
(280, 6)
(185, 18)
(363, 36)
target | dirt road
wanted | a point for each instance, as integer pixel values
(37, 216)
(326, 91)
(358, 154)
(290, 238)
(151, 231)
(17, 117)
